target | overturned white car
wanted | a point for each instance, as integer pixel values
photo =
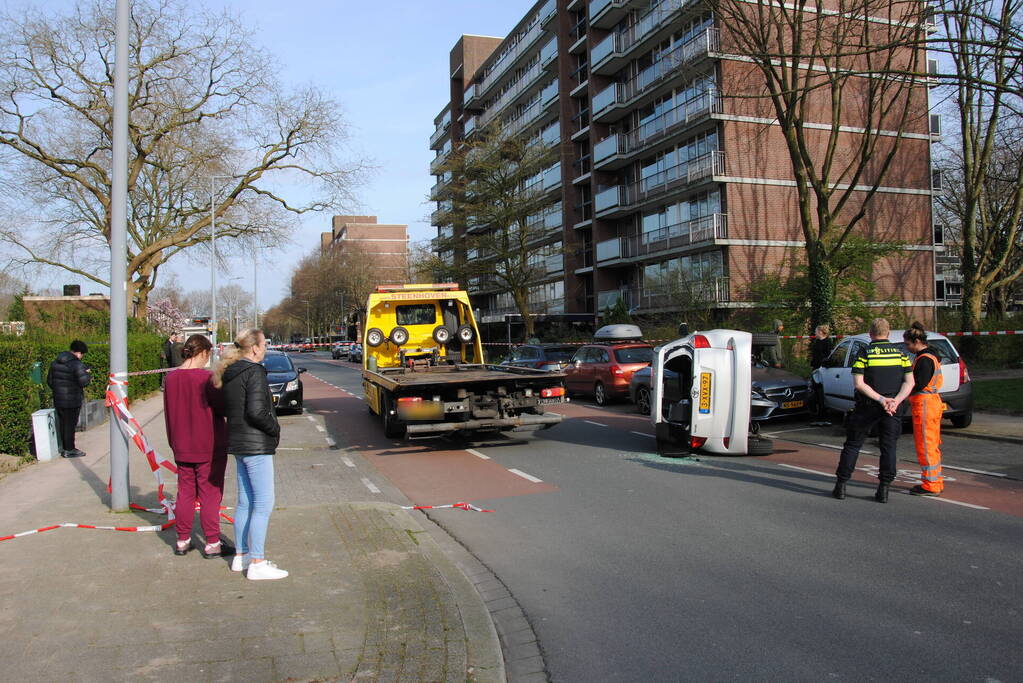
(701, 395)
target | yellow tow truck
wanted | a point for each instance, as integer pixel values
(424, 372)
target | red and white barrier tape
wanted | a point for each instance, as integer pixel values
(69, 525)
(118, 404)
(468, 507)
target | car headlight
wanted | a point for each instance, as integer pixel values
(292, 385)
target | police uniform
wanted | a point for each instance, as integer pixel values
(884, 368)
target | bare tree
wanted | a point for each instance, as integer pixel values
(207, 117)
(844, 81)
(984, 200)
(494, 214)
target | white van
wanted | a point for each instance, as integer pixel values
(706, 402)
(836, 383)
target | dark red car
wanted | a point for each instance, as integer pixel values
(605, 367)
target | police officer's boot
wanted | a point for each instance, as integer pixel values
(882, 492)
(839, 490)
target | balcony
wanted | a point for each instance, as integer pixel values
(552, 177)
(470, 99)
(607, 13)
(612, 53)
(618, 96)
(549, 53)
(551, 135)
(618, 197)
(438, 161)
(512, 55)
(442, 130)
(713, 290)
(509, 96)
(615, 150)
(609, 297)
(549, 94)
(695, 233)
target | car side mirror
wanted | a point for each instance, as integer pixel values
(577, 363)
(301, 370)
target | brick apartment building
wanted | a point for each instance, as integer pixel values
(666, 168)
(386, 246)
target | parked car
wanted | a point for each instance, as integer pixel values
(551, 357)
(605, 367)
(355, 353)
(780, 392)
(836, 382)
(340, 349)
(284, 379)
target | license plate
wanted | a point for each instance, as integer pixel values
(792, 404)
(423, 411)
(705, 392)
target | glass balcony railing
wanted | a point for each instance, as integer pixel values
(470, 125)
(610, 249)
(550, 93)
(552, 177)
(471, 93)
(442, 129)
(608, 198)
(602, 50)
(599, 8)
(511, 55)
(609, 147)
(512, 93)
(551, 134)
(686, 173)
(607, 97)
(549, 52)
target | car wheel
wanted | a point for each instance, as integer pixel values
(643, 400)
(375, 337)
(600, 394)
(758, 445)
(962, 421)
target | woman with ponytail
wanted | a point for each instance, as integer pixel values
(926, 404)
(252, 434)
(194, 412)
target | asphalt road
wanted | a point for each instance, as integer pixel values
(634, 567)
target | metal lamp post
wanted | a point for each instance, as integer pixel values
(213, 256)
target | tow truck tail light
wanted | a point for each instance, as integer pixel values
(727, 441)
(616, 370)
(701, 342)
(410, 399)
(552, 392)
(964, 374)
(697, 441)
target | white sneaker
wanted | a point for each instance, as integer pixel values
(265, 571)
(240, 562)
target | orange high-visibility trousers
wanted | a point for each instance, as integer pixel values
(927, 409)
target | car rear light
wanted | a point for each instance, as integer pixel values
(701, 342)
(540, 363)
(697, 441)
(616, 370)
(410, 399)
(552, 392)
(964, 374)
(727, 441)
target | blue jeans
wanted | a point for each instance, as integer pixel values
(255, 502)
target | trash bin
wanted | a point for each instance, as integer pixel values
(35, 373)
(44, 428)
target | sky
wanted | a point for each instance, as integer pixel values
(386, 63)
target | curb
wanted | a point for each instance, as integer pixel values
(987, 437)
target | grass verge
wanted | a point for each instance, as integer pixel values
(998, 395)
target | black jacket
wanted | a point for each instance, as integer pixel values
(67, 378)
(252, 427)
(820, 349)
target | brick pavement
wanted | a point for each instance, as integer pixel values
(371, 596)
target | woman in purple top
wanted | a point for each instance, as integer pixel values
(194, 411)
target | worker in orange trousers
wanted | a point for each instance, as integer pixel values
(927, 407)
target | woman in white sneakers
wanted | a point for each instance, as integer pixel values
(252, 437)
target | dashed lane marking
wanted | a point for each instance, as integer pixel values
(348, 462)
(370, 485)
(644, 434)
(321, 428)
(527, 477)
(311, 418)
(331, 442)
(289, 448)
(806, 469)
(939, 499)
(599, 424)
(473, 451)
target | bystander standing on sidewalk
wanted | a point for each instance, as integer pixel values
(197, 434)
(67, 379)
(253, 436)
(821, 347)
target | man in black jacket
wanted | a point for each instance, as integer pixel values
(67, 379)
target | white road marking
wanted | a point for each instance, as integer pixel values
(786, 431)
(599, 424)
(348, 462)
(473, 451)
(528, 477)
(551, 412)
(311, 418)
(644, 434)
(806, 469)
(968, 469)
(955, 502)
(289, 448)
(370, 485)
(331, 442)
(321, 428)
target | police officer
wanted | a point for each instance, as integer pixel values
(882, 378)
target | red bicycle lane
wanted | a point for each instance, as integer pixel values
(428, 472)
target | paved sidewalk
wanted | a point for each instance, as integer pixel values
(994, 426)
(371, 595)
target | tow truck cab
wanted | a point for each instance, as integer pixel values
(707, 402)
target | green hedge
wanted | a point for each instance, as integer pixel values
(19, 397)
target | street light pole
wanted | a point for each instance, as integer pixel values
(213, 256)
(119, 256)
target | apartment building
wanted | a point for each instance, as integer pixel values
(386, 246)
(669, 170)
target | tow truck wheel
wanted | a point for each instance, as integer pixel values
(600, 394)
(465, 334)
(643, 400)
(399, 336)
(375, 337)
(758, 445)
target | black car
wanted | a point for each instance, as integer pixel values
(285, 383)
(542, 356)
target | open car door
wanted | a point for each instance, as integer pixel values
(712, 411)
